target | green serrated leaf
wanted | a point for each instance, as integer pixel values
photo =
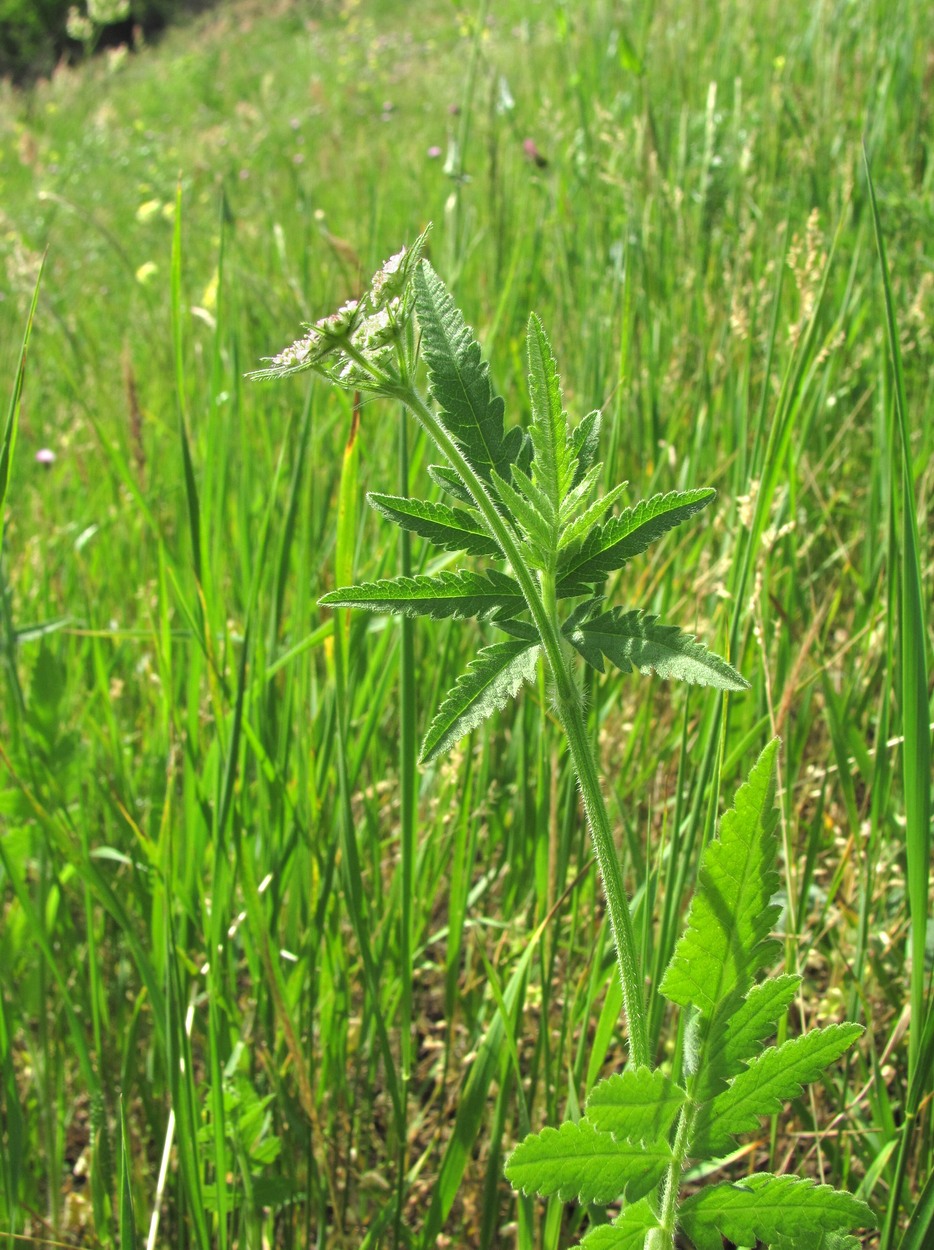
(577, 528)
(634, 640)
(772, 1077)
(448, 594)
(493, 678)
(638, 1104)
(450, 480)
(535, 529)
(518, 629)
(767, 1208)
(735, 1037)
(627, 1232)
(459, 379)
(553, 462)
(824, 1241)
(609, 546)
(585, 444)
(726, 939)
(577, 1161)
(450, 528)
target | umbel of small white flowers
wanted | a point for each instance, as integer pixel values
(361, 346)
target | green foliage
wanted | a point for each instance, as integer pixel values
(460, 380)
(730, 1082)
(544, 501)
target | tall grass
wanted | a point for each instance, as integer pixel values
(230, 919)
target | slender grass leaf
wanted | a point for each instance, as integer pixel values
(127, 1217)
(628, 1230)
(725, 942)
(460, 379)
(447, 594)
(772, 1077)
(638, 1104)
(919, 1234)
(450, 528)
(765, 1208)
(633, 640)
(8, 443)
(493, 678)
(576, 1161)
(912, 665)
(553, 460)
(622, 537)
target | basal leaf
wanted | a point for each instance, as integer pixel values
(460, 379)
(725, 942)
(769, 1208)
(638, 1104)
(577, 1161)
(448, 594)
(772, 1077)
(553, 461)
(610, 545)
(627, 1232)
(450, 528)
(493, 678)
(633, 640)
(735, 1037)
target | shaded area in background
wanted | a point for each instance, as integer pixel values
(33, 38)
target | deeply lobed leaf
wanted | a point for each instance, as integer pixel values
(553, 463)
(612, 544)
(448, 594)
(493, 678)
(460, 379)
(628, 1230)
(726, 940)
(639, 1104)
(735, 1036)
(454, 529)
(577, 1161)
(773, 1077)
(769, 1208)
(633, 640)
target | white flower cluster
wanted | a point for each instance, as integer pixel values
(80, 26)
(355, 345)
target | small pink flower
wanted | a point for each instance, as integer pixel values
(45, 456)
(434, 152)
(533, 154)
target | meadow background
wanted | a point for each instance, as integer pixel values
(212, 969)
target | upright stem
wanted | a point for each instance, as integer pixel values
(568, 704)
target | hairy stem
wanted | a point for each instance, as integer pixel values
(568, 704)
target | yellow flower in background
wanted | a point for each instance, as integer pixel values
(209, 298)
(147, 211)
(146, 271)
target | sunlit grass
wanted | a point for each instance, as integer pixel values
(700, 245)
